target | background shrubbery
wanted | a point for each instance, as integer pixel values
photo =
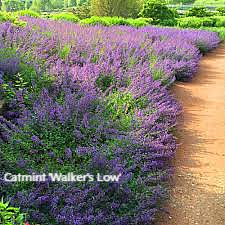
(110, 21)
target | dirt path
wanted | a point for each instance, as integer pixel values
(198, 189)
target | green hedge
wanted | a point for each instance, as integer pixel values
(11, 17)
(27, 13)
(64, 16)
(110, 21)
(197, 22)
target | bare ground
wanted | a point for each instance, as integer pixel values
(197, 193)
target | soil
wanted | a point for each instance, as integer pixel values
(197, 194)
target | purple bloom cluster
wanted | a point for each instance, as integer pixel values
(89, 65)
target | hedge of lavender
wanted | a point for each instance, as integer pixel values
(92, 100)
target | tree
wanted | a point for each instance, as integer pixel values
(39, 5)
(12, 5)
(72, 3)
(57, 4)
(124, 8)
(157, 10)
(27, 4)
(82, 2)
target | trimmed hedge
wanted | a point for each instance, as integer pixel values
(110, 21)
(65, 17)
(196, 22)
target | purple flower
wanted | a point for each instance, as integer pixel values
(68, 153)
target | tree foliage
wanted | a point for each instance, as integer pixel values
(124, 8)
(198, 12)
(157, 10)
(12, 5)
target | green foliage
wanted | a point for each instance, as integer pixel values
(64, 52)
(157, 10)
(10, 215)
(197, 22)
(41, 5)
(210, 3)
(23, 78)
(110, 21)
(120, 109)
(198, 12)
(221, 11)
(12, 5)
(7, 16)
(82, 11)
(181, 1)
(104, 82)
(64, 16)
(28, 13)
(123, 8)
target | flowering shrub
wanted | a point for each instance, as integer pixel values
(105, 109)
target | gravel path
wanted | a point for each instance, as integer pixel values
(198, 188)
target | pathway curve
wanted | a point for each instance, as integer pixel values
(198, 188)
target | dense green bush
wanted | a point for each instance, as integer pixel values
(12, 5)
(197, 22)
(198, 12)
(110, 21)
(82, 11)
(11, 17)
(28, 13)
(123, 8)
(10, 215)
(157, 10)
(221, 11)
(7, 16)
(65, 16)
(219, 21)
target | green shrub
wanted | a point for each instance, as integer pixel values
(28, 13)
(196, 22)
(221, 11)
(12, 5)
(219, 21)
(158, 11)
(170, 22)
(82, 12)
(110, 21)
(139, 22)
(198, 12)
(10, 215)
(65, 16)
(7, 16)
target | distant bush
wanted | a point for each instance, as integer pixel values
(28, 13)
(168, 23)
(219, 21)
(7, 16)
(158, 11)
(12, 5)
(122, 8)
(82, 12)
(221, 11)
(198, 12)
(197, 22)
(110, 21)
(65, 16)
